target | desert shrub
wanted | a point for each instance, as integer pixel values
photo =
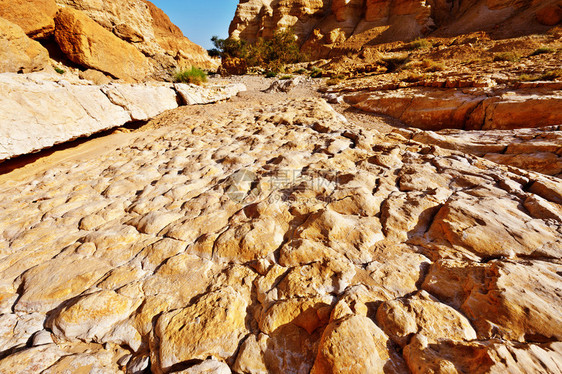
(316, 72)
(419, 44)
(300, 71)
(193, 75)
(542, 50)
(550, 75)
(430, 65)
(270, 74)
(284, 77)
(59, 70)
(271, 54)
(507, 56)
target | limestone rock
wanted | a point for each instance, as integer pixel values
(495, 300)
(142, 102)
(18, 53)
(36, 17)
(481, 357)
(29, 360)
(418, 315)
(37, 113)
(74, 111)
(92, 317)
(212, 326)
(432, 109)
(530, 149)
(142, 255)
(88, 44)
(208, 367)
(355, 344)
(192, 94)
(469, 222)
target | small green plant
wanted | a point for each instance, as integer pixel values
(542, 50)
(300, 71)
(507, 56)
(550, 75)
(419, 44)
(59, 70)
(270, 74)
(284, 77)
(316, 72)
(193, 75)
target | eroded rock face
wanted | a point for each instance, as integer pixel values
(280, 238)
(18, 53)
(327, 28)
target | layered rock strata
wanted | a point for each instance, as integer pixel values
(38, 113)
(280, 239)
(531, 149)
(469, 109)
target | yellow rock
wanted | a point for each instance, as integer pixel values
(213, 326)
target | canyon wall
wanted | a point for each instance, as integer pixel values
(330, 27)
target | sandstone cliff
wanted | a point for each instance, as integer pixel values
(327, 27)
(127, 39)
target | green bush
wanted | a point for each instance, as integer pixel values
(59, 70)
(420, 44)
(542, 50)
(271, 54)
(550, 75)
(193, 75)
(507, 56)
(316, 73)
(284, 77)
(270, 74)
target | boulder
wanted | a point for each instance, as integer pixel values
(550, 14)
(148, 29)
(88, 44)
(38, 115)
(35, 17)
(18, 53)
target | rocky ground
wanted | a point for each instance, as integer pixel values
(270, 233)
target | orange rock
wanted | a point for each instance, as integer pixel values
(18, 53)
(87, 43)
(35, 17)
(550, 15)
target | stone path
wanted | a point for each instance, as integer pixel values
(279, 238)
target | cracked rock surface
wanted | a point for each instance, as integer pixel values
(280, 238)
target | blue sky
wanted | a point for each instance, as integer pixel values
(200, 19)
